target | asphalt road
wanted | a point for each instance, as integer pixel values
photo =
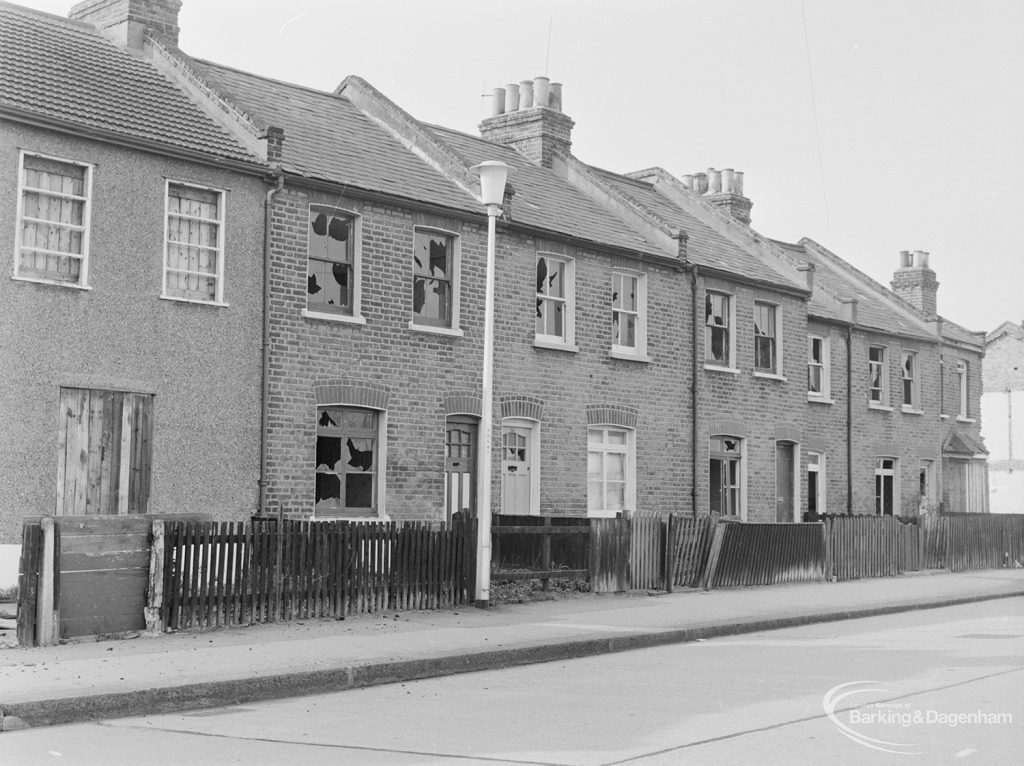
(932, 686)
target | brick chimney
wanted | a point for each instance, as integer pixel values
(528, 117)
(915, 283)
(723, 189)
(129, 21)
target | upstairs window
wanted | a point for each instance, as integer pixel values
(434, 287)
(346, 461)
(961, 384)
(878, 376)
(911, 384)
(331, 264)
(53, 221)
(817, 367)
(194, 260)
(629, 313)
(555, 301)
(765, 338)
(717, 324)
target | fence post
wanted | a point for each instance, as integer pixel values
(48, 625)
(155, 600)
(666, 566)
(278, 611)
(545, 553)
(716, 551)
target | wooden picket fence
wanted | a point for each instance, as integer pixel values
(691, 545)
(236, 573)
(861, 546)
(965, 542)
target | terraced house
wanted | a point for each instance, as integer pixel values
(227, 293)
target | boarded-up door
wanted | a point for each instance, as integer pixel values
(105, 452)
(460, 464)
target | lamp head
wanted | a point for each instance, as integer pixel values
(493, 175)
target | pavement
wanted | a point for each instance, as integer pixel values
(194, 669)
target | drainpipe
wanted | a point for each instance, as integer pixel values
(690, 268)
(278, 179)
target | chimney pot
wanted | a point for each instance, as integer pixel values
(687, 180)
(700, 183)
(728, 175)
(526, 94)
(555, 96)
(906, 261)
(737, 182)
(541, 91)
(498, 102)
(714, 181)
(512, 97)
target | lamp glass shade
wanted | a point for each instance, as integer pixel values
(493, 175)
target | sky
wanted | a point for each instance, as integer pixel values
(870, 126)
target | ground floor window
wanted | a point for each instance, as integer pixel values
(611, 482)
(347, 456)
(885, 486)
(726, 475)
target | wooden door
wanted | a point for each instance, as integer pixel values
(460, 465)
(104, 453)
(516, 469)
(784, 481)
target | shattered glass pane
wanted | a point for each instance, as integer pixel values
(328, 487)
(360, 453)
(719, 345)
(359, 490)
(326, 419)
(328, 451)
(432, 299)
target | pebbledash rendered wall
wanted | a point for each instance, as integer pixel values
(418, 371)
(202, 363)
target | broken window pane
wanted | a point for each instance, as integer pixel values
(716, 337)
(551, 302)
(358, 490)
(432, 279)
(330, 263)
(346, 448)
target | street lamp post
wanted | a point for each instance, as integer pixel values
(493, 175)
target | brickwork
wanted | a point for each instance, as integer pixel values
(538, 133)
(428, 374)
(918, 286)
(160, 17)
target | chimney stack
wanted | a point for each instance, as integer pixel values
(723, 189)
(130, 21)
(528, 117)
(915, 282)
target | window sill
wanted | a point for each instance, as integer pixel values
(374, 519)
(944, 417)
(193, 301)
(879, 407)
(820, 400)
(339, 318)
(451, 332)
(911, 410)
(962, 419)
(604, 514)
(555, 345)
(770, 376)
(51, 282)
(716, 368)
(629, 356)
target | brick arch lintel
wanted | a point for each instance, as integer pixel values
(528, 407)
(461, 403)
(788, 432)
(725, 427)
(611, 415)
(356, 393)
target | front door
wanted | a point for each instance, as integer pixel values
(517, 468)
(460, 465)
(784, 481)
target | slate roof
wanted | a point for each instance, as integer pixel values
(545, 200)
(877, 307)
(705, 247)
(67, 71)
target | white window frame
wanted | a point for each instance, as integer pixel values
(881, 472)
(454, 327)
(741, 472)
(380, 479)
(927, 500)
(824, 367)
(730, 332)
(566, 342)
(776, 370)
(914, 379)
(218, 299)
(962, 392)
(639, 350)
(85, 228)
(605, 448)
(882, 403)
(356, 226)
(818, 467)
